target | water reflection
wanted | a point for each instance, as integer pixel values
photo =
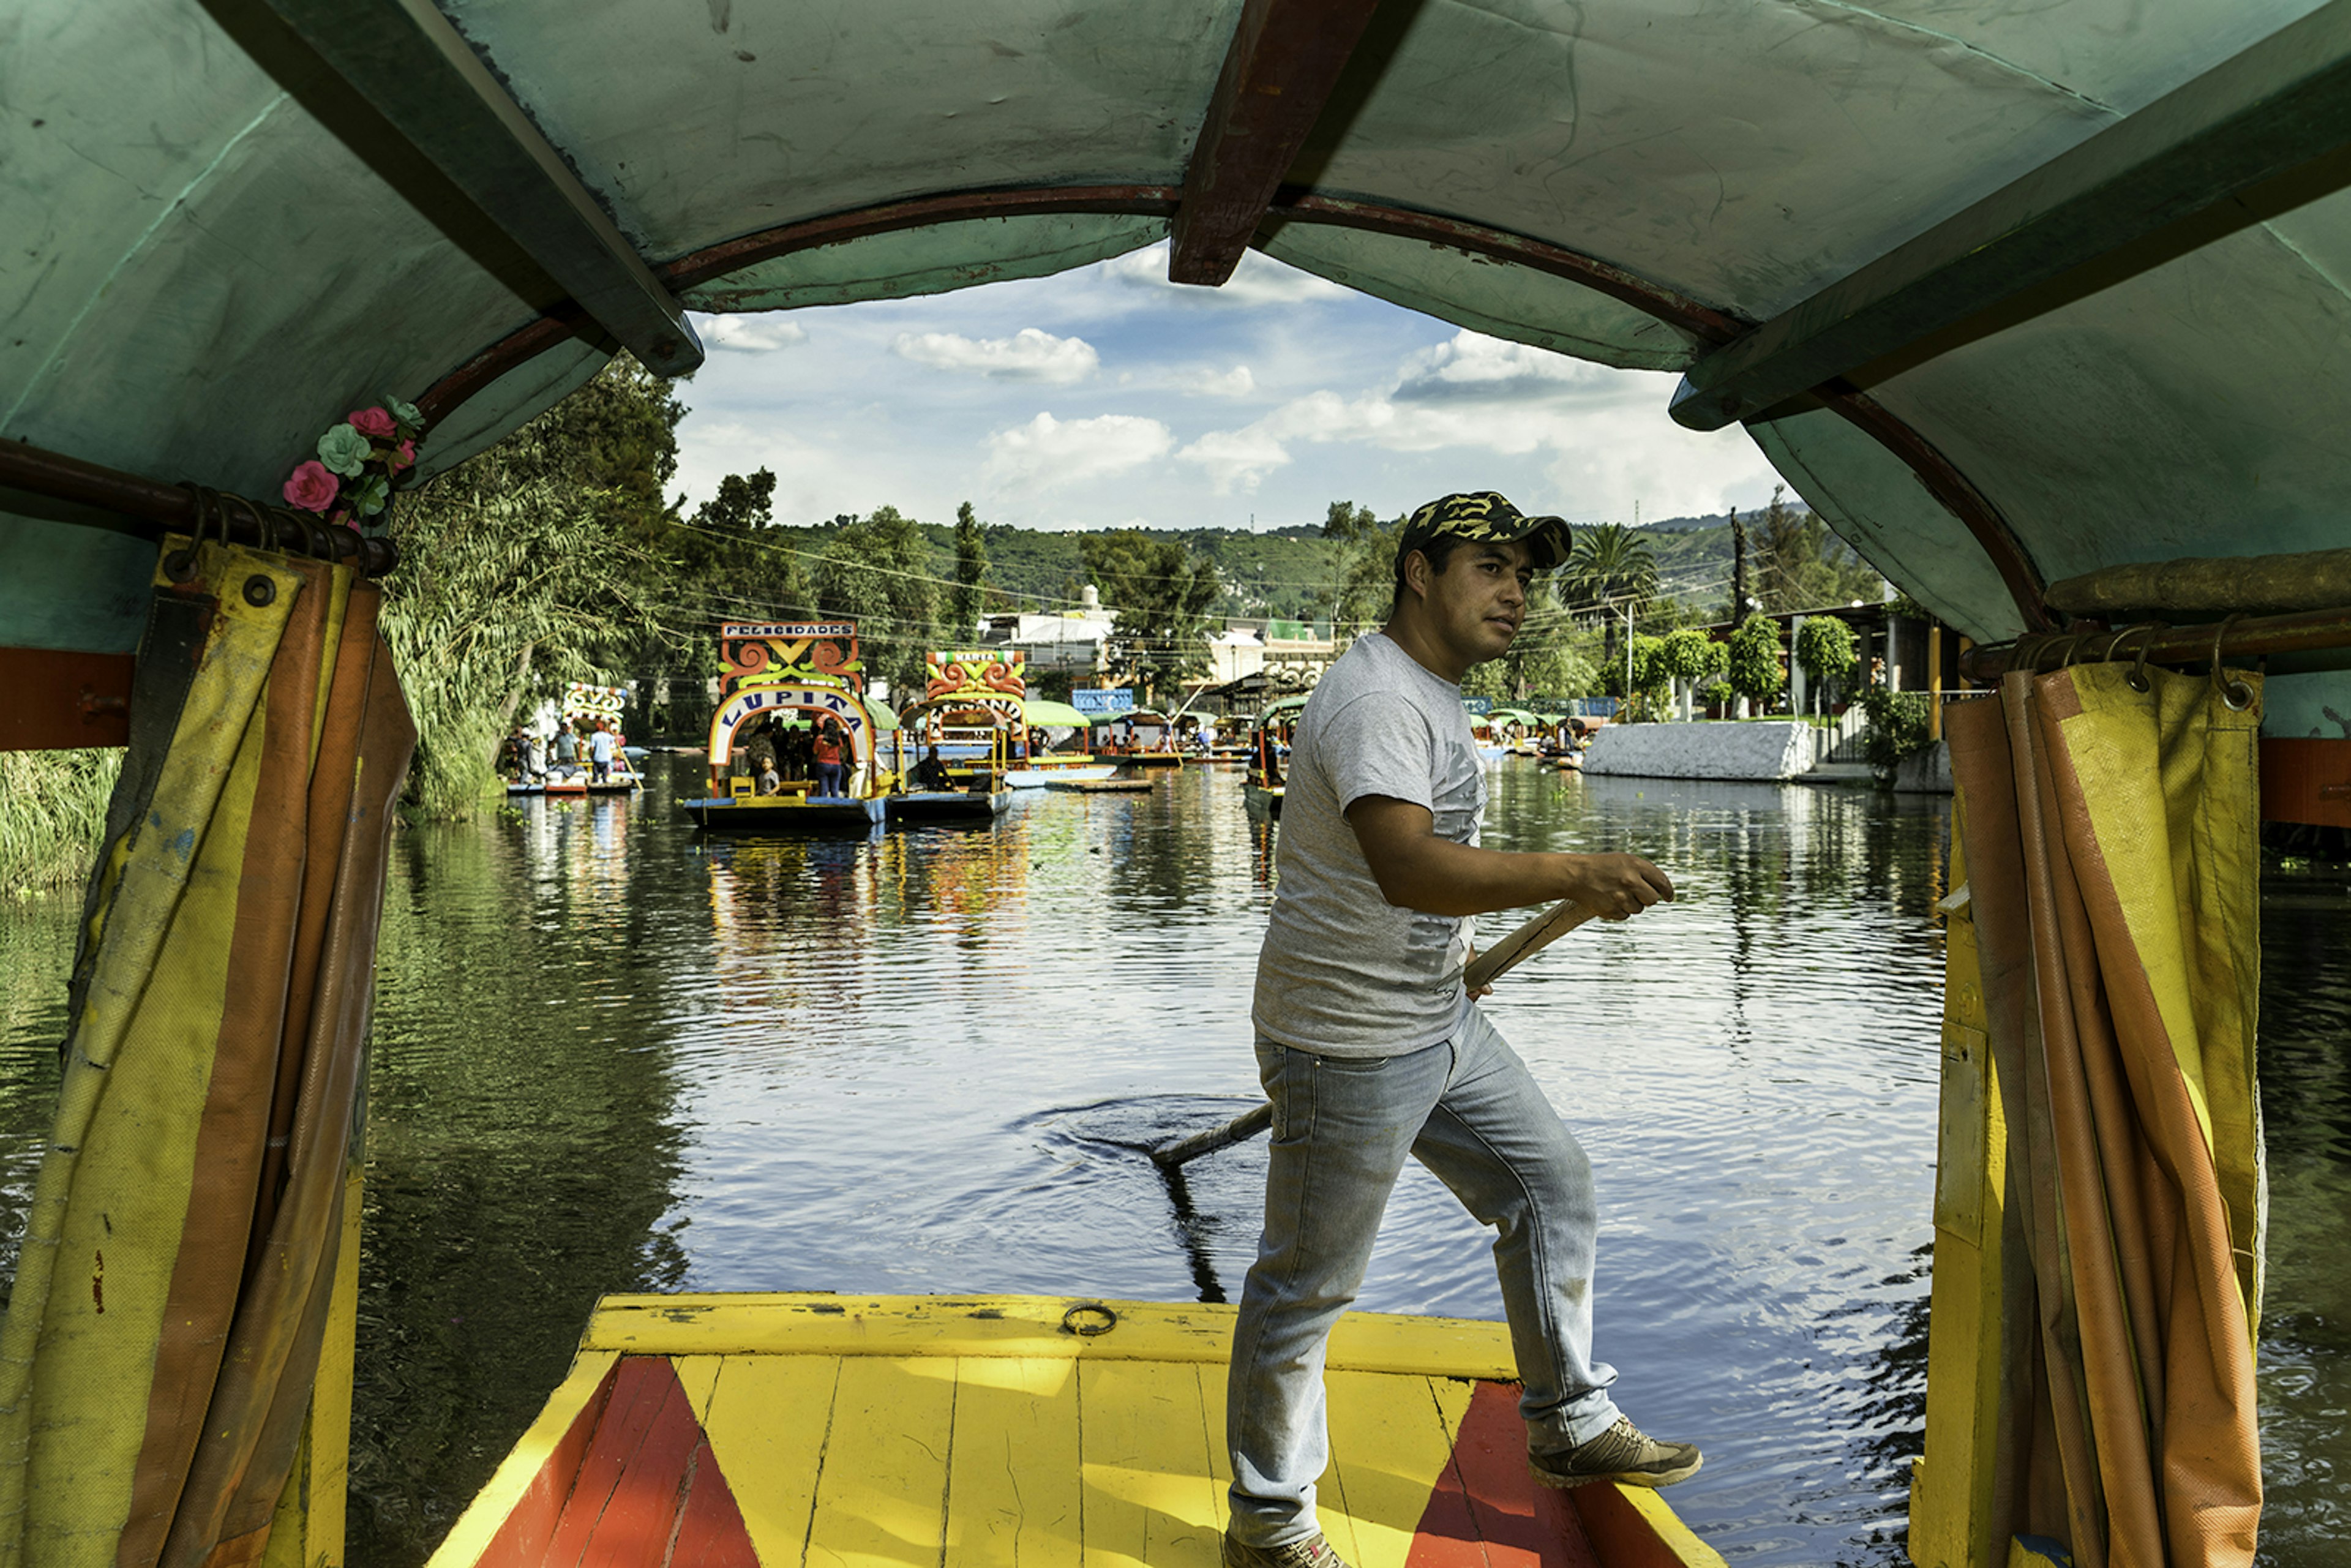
(612, 1054)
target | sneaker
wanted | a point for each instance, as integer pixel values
(1311, 1553)
(1622, 1453)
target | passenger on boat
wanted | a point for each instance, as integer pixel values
(770, 781)
(931, 773)
(1372, 1050)
(828, 751)
(567, 746)
(601, 748)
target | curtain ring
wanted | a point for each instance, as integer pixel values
(2109, 656)
(180, 566)
(2234, 693)
(2137, 680)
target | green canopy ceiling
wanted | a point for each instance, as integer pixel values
(212, 258)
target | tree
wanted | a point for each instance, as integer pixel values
(1755, 671)
(1824, 647)
(1364, 563)
(1688, 658)
(964, 602)
(877, 572)
(1161, 594)
(1610, 570)
(1802, 565)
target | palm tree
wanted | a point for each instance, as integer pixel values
(1609, 572)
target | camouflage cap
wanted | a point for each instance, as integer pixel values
(1484, 516)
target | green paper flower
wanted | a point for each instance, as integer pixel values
(372, 495)
(406, 412)
(344, 450)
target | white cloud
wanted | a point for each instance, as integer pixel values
(1028, 355)
(1047, 452)
(1205, 382)
(1258, 280)
(1474, 394)
(751, 334)
(1237, 458)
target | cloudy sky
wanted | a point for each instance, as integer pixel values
(1109, 396)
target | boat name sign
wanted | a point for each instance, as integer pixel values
(745, 706)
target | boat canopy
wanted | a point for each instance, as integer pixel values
(1045, 713)
(2009, 293)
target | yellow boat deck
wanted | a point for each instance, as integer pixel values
(1014, 1432)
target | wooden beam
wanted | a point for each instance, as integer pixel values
(59, 700)
(1283, 64)
(444, 107)
(2279, 106)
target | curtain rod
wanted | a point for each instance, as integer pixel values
(169, 508)
(2235, 636)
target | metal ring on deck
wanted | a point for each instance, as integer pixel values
(1088, 1328)
(2235, 695)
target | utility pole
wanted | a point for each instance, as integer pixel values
(1738, 568)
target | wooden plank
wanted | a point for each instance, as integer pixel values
(1148, 1498)
(1026, 1326)
(2307, 780)
(1520, 1529)
(881, 1498)
(1012, 1477)
(1390, 1444)
(698, 1375)
(710, 1530)
(511, 1520)
(1633, 1527)
(767, 1422)
(58, 701)
(625, 1510)
(1282, 65)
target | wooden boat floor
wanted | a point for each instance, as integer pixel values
(1014, 1432)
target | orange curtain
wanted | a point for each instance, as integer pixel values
(2113, 876)
(160, 1345)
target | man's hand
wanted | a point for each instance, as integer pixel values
(1617, 887)
(1418, 870)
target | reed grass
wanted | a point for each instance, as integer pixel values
(53, 816)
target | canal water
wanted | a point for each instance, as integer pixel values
(611, 1054)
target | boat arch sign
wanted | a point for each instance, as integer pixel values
(754, 702)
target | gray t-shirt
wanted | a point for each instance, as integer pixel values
(1344, 972)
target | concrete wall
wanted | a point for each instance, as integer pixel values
(1765, 748)
(1926, 772)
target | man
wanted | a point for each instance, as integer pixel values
(1370, 1050)
(567, 749)
(931, 774)
(602, 746)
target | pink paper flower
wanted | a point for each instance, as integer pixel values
(405, 458)
(312, 488)
(374, 423)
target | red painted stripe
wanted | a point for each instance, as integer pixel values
(711, 1535)
(521, 1541)
(1486, 1511)
(638, 1522)
(642, 1386)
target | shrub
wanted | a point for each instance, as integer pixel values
(1897, 728)
(1824, 647)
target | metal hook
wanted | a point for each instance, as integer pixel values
(2109, 656)
(180, 566)
(2137, 680)
(2235, 695)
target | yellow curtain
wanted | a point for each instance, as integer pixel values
(2110, 838)
(170, 1302)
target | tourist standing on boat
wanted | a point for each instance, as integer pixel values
(601, 748)
(1370, 1050)
(828, 751)
(567, 749)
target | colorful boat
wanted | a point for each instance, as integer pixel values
(1269, 744)
(730, 1431)
(792, 674)
(1139, 738)
(1040, 777)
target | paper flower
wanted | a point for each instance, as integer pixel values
(374, 423)
(372, 495)
(405, 457)
(312, 488)
(406, 412)
(344, 450)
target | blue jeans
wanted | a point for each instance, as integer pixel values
(1341, 1127)
(828, 781)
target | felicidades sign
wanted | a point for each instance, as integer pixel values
(750, 651)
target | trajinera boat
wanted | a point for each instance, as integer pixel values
(2041, 307)
(974, 713)
(797, 673)
(1261, 791)
(585, 710)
